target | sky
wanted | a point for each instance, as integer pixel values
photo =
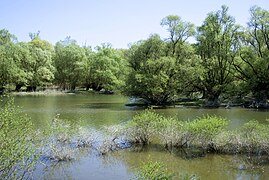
(119, 22)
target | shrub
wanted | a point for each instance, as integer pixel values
(203, 130)
(170, 131)
(255, 137)
(142, 127)
(17, 152)
(208, 132)
(230, 142)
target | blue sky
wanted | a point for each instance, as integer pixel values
(119, 22)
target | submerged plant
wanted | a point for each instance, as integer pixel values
(189, 177)
(61, 131)
(85, 138)
(153, 171)
(58, 153)
(107, 146)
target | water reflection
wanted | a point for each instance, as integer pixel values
(97, 111)
(208, 166)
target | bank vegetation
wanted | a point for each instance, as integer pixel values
(228, 63)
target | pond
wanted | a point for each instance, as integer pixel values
(99, 111)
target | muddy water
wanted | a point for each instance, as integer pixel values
(97, 111)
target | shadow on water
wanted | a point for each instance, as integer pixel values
(184, 153)
(196, 161)
(108, 106)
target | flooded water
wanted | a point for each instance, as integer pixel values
(98, 111)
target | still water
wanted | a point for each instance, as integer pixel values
(97, 111)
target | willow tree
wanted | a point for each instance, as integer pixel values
(13, 56)
(154, 76)
(6, 37)
(40, 69)
(253, 63)
(69, 63)
(150, 71)
(179, 31)
(217, 46)
(107, 69)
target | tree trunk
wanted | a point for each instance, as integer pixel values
(212, 99)
(2, 90)
(18, 87)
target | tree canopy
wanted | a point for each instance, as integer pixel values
(225, 61)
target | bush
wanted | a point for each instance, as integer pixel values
(170, 131)
(230, 142)
(209, 133)
(17, 152)
(252, 137)
(203, 130)
(255, 136)
(142, 127)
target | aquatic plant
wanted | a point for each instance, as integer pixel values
(142, 127)
(208, 132)
(85, 138)
(59, 153)
(252, 137)
(189, 177)
(153, 171)
(170, 131)
(107, 146)
(256, 137)
(203, 130)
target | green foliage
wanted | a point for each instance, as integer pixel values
(8, 67)
(204, 130)
(142, 127)
(156, 81)
(6, 37)
(252, 64)
(17, 152)
(107, 69)
(179, 32)
(156, 76)
(41, 70)
(26, 64)
(217, 45)
(153, 171)
(255, 136)
(227, 61)
(170, 131)
(69, 60)
(208, 132)
(252, 137)
(149, 125)
(207, 125)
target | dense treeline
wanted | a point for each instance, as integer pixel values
(227, 61)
